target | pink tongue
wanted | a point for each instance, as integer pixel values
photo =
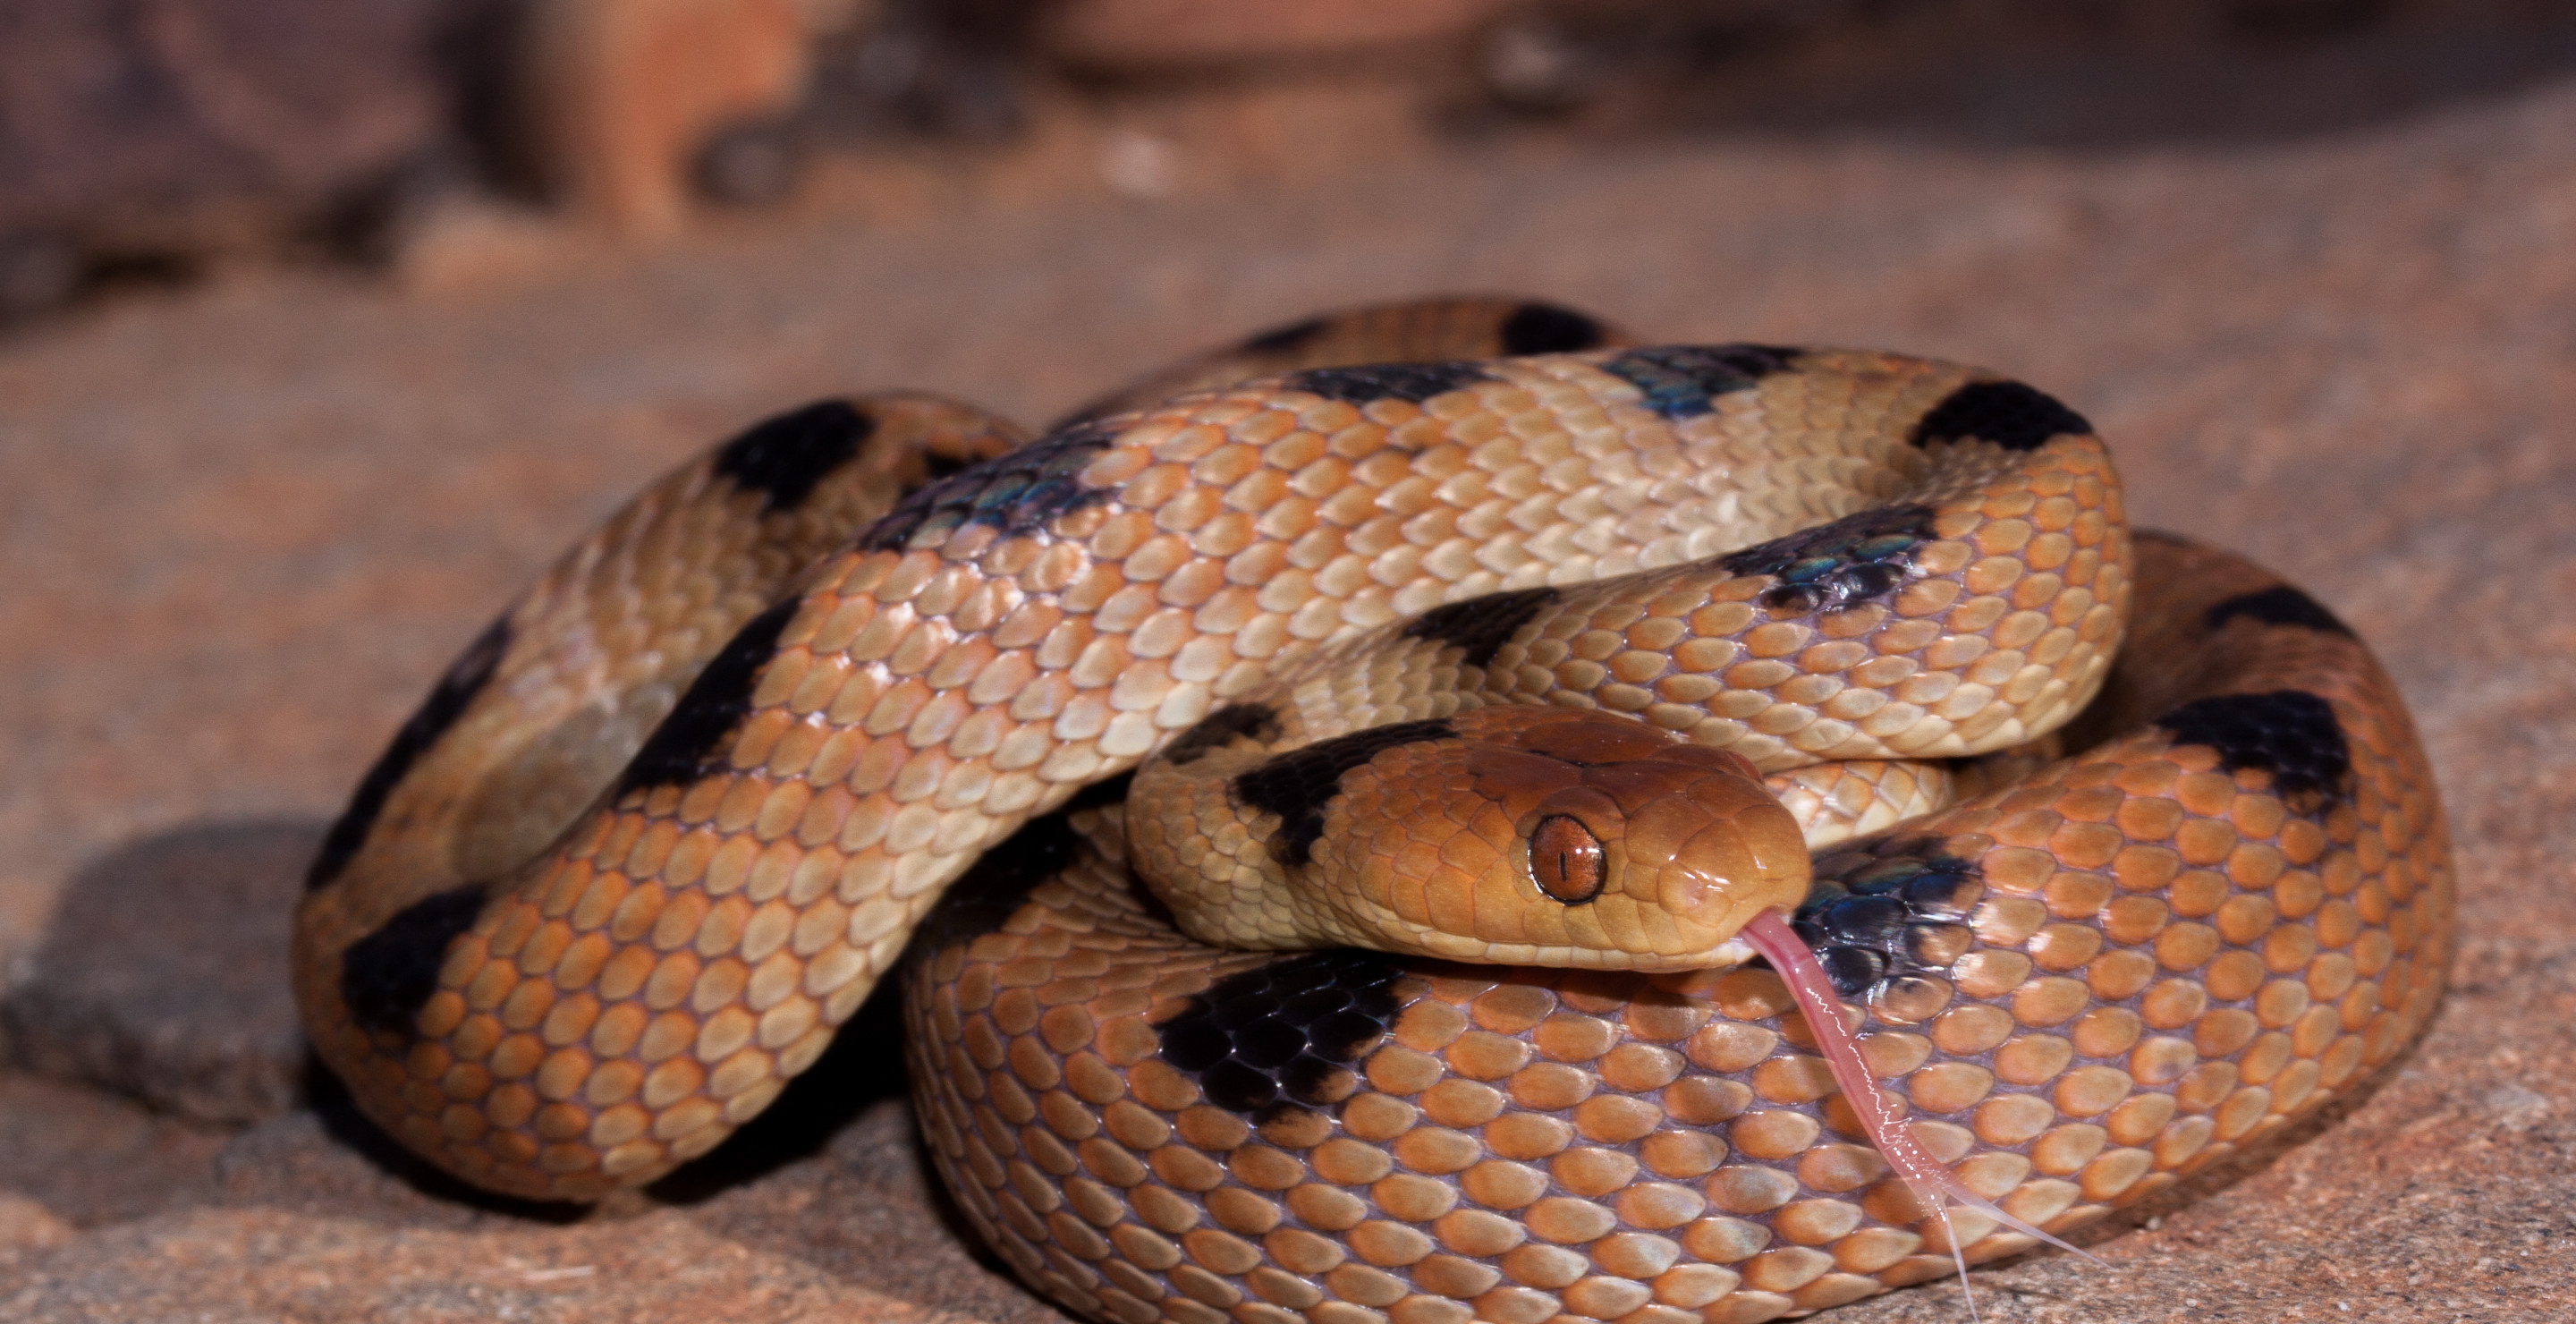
(1881, 1117)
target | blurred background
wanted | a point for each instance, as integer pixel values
(149, 142)
(326, 324)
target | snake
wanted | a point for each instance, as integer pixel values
(1436, 812)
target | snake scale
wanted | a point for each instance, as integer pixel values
(1500, 686)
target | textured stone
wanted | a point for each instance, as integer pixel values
(164, 975)
(264, 1264)
(91, 1159)
(819, 1211)
(28, 1225)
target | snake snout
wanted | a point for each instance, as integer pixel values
(1706, 852)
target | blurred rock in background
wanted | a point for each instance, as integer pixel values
(620, 97)
(1171, 36)
(142, 137)
(445, 140)
(2053, 73)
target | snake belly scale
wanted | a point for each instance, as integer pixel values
(2103, 912)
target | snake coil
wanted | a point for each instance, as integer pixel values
(1472, 633)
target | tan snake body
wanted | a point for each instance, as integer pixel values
(577, 925)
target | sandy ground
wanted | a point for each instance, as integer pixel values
(245, 527)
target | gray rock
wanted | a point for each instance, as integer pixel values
(164, 974)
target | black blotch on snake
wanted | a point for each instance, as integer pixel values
(1415, 382)
(2278, 605)
(2291, 734)
(465, 678)
(1258, 721)
(1297, 785)
(1281, 339)
(1282, 1034)
(1684, 381)
(1837, 565)
(1016, 493)
(783, 458)
(1480, 626)
(691, 741)
(2009, 414)
(387, 976)
(1545, 328)
(935, 466)
(1899, 916)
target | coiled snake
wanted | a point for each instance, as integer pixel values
(1466, 630)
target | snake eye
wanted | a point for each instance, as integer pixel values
(1566, 859)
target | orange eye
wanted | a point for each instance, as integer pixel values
(1566, 859)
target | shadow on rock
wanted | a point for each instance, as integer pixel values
(328, 1159)
(332, 1158)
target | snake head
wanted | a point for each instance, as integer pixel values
(1577, 838)
(1511, 834)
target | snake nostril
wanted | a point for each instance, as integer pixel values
(1566, 859)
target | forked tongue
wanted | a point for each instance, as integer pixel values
(1883, 1121)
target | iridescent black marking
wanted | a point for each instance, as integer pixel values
(939, 466)
(1017, 493)
(1279, 1035)
(1545, 328)
(1281, 339)
(999, 882)
(1837, 565)
(1481, 626)
(2280, 605)
(691, 742)
(1297, 785)
(2291, 734)
(465, 678)
(1415, 382)
(1895, 916)
(1257, 721)
(1684, 381)
(783, 458)
(2009, 414)
(387, 976)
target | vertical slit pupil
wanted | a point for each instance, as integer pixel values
(1566, 859)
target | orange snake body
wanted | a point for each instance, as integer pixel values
(663, 827)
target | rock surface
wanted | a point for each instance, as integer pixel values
(89, 1158)
(247, 528)
(164, 976)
